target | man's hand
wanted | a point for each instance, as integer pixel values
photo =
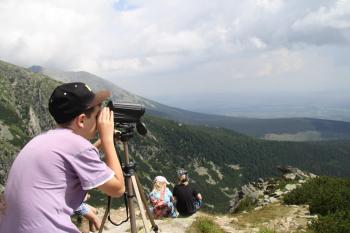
(105, 125)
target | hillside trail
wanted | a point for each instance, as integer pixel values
(165, 225)
(277, 217)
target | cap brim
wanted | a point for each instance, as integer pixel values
(100, 96)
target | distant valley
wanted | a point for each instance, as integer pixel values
(329, 105)
(281, 129)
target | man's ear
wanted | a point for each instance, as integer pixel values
(79, 120)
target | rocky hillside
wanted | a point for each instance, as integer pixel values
(298, 201)
(264, 192)
(23, 109)
(266, 211)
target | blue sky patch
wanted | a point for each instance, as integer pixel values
(123, 5)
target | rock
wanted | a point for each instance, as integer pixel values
(279, 193)
(234, 201)
(263, 192)
(291, 187)
(289, 176)
(312, 175)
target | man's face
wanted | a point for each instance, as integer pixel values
(183, 178)
(90, 123)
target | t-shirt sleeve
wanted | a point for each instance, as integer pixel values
(90, 169)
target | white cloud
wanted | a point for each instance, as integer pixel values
(258, 43)
(271, 6)
(145, 44)
(279, 63)
(337, 17)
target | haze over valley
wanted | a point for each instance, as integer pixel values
(322, 105)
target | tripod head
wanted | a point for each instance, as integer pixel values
(125, 131)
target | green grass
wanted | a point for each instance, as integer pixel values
(266, 230)
(205, 225)
(247, 204)
(265, 214)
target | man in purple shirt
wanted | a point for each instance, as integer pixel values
(52, 173)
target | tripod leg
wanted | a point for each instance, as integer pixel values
(140, 203)
(130, 193)
(131, 205)
(105, 215)
(144, 200)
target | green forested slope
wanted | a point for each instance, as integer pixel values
(212, 154)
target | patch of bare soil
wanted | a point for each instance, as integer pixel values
(165, 225)
(277, 217)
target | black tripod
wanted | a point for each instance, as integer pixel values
(134, 189)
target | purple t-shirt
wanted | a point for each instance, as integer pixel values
(48, 181)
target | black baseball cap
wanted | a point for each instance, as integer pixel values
(71, 99)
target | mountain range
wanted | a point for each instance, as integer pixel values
(218, 159)
(283, 129)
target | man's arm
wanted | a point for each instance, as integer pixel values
(114, 187)
(98, 143)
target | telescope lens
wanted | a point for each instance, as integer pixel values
(141, 128)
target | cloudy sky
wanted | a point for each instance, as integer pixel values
(158, 48)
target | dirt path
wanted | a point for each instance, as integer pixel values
(277, 217)
(166, 225)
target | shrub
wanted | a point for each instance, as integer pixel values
(246, 204)
(204, 225)
(338, 222)
(328, 197)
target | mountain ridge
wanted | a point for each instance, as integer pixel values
(283, 129)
